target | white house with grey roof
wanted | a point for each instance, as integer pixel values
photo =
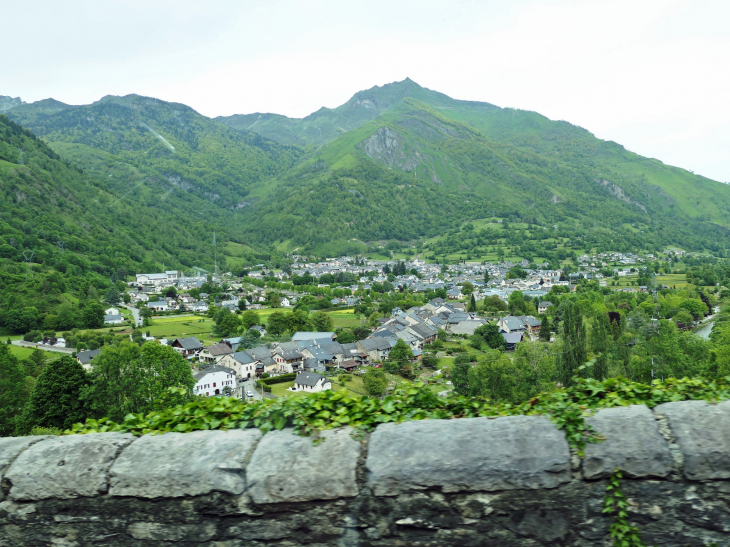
(311, 382)
(213, 381)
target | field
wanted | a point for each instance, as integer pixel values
(175, 326)
(672, 280)
(24, 353)
(341, 318)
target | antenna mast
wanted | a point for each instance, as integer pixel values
(215, 253)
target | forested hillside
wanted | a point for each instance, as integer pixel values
(417, 170)
(396, 163)
(164, 157)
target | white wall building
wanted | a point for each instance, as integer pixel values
(213, 380)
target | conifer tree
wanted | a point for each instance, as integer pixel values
(56, 398)
(574, 344)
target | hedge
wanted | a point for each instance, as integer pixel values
(279, 379)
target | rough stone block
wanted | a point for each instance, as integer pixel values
(702, 432)
(10, 447)
(633, 444)
(65, 467)
(183, 464)
(475, 454)
(286, 467)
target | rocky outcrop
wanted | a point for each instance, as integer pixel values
(390, 149)
(509, 481)
(617, 191)
(6, 103)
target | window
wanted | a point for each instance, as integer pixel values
(213, 384)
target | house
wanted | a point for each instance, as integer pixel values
(285, 302)
(543, 306)
(241, 362)
(311, 382)
(511, 324)
(258, 328)
(323, 336)
(289, 361)
(85, 357)
(187, 347)
(377, 348)
(214, 352)
(532, 323)
(233, 342)
(213, 380)
(425, 333)
(113, 319)
(349, 365)
(511, 339)
(158, 305)
(111, 311)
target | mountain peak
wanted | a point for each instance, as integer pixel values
(6, 103)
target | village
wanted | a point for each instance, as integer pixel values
(308, 359)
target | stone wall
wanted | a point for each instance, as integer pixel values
(509, 481)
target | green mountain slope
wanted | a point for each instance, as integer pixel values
(327, 124)
(452, 161)
(75, 231)
(165, 157)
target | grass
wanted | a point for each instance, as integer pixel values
(672, 280)
(24, 353)
(172, 327)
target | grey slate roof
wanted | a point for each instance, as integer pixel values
(189, 343)
(86, 356)
(243, 358)
(312, 336)
(259, 352)
(215, 368)
(308, 378)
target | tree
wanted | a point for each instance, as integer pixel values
(112, 296)
(278, 323)
(486, 277)
(298, 320)
(472, 307)
(696, 307)
(226, 323)
(545, 328)
(430, 360)
(321, 322)
(574, 344)
(242, 304)
(467, 288)
(460, 374)
(12, 391)
(491, 335)
(346, 337)
(361, 332)
(496, 379)
(401, 353)
(516, 303)
(93, 315)
(128, 379)
(249, 318)
(494, 303)
(275, 301)
(56, 400)
(375, 382)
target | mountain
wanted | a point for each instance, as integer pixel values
(397, 165)
(410, 163)
(6, 103)
(165, 157)
(327, 124)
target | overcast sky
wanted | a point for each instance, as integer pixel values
(651, 75)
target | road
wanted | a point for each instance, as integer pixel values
(135, 314)
(33, 345)
(248, 385)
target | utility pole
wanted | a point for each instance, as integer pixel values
(215, 254)
(28, 255)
